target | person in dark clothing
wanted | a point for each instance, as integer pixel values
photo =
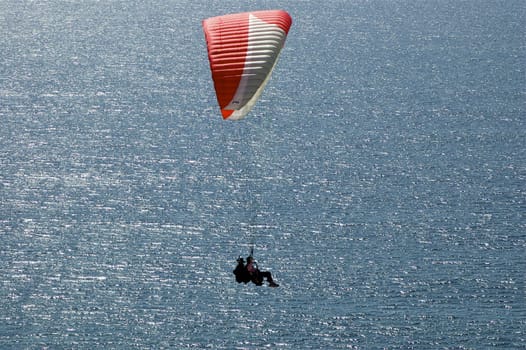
(257, 276)
(241, 273)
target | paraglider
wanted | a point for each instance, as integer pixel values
(251, 272)
(243, 49)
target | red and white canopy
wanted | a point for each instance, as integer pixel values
(243, 49)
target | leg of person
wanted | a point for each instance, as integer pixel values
(257, 278)
(268, 276)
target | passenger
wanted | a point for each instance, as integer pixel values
(257, 276)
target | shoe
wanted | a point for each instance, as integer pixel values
(273, 284)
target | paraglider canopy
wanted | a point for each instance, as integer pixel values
(243, 49)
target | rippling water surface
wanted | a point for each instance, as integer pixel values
(381, 176)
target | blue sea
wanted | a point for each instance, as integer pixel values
(381, 178)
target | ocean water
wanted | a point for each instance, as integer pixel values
(381, 177)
